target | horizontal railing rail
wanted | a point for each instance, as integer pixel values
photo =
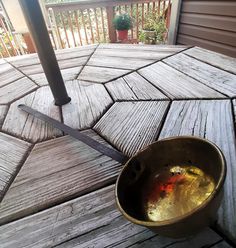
(73, 24)
(90, 21)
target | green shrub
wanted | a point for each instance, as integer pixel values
(123, 22)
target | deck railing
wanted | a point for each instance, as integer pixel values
(84, 22)
(90, 21)
(11, 43)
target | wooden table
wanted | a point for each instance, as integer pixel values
(59, 192)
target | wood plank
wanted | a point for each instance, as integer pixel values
(54, 171)
(234, 106)
(67, 74)
(120, 90)
(211, 120)
(75, 52)
(13, 91)
(64, 54)
(3, 112)
(63, 64)
(27, 127)
(211, 21)
(101, 74)
(176, 84)
(130, 126)
(8, 74)
(116, 62)
(140, 54)
(210, 7)
(205, 33)
(133, 87)
(68, 63)
(26, 59)
(88, 102)
(12, 152)
(209, 75)
(140, 47)
(90, 221)
(216, 59)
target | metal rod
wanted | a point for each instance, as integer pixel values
(38, 30)
(110, 152)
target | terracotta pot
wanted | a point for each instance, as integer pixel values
(122, 34)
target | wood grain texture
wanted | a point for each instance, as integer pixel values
(176, 84)
(100, 74)
(216, 59)
(130, 126)
(234, 107)
(211, 120)
(54, 171)
(138, 47)
(27, 127)
(209, 75)
(88, 102)
(15, 90)
(63, 64)
(8, 74)
(116, 62)
(140, 54)
(12, 152)
(3, 112)
(67, 74)
(90, 221)
(133, 87)
(64, 54)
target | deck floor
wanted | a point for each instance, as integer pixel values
(57, 191)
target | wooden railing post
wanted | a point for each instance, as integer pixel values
(111, 29)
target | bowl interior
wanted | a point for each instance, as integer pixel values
(139, 170)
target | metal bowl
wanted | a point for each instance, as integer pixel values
(131, 185)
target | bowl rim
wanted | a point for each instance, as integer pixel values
(214, 193)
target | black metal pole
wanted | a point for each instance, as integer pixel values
(38, 30)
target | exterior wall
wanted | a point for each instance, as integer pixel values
(208, 24)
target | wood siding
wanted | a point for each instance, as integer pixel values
(208, 24)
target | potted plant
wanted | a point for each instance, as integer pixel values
(154, 30)
(122, 24)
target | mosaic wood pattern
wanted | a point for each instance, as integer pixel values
(130, 126)
(216, 59)
(3, 112)
(133, 87)
(100, 74)
(59, 196)
(211, 76)
(15, 90)
(176, 84)
(27, 127)
(8, 74)
(67, 74)
(12, 152)
(90, 221)
(89, 102)
(55, 170)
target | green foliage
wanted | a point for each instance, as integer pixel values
(161, 30)
(154, 23)
(142, 36)
(123, 22)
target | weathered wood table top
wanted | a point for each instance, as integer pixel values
(57, 191)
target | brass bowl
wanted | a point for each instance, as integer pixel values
(131, 185)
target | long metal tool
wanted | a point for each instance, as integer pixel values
(112, 153)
